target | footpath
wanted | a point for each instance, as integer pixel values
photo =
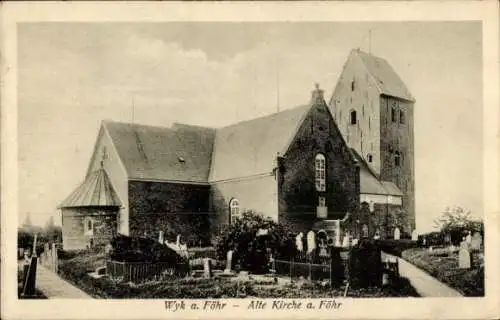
(53, 287)
(425, 284)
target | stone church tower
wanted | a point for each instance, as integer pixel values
(374, 111)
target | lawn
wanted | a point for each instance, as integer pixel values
(75, 270)
(444, 266)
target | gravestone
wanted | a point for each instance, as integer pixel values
(397, 233)
(476, 242)
(464, 256)
(178, 242)
(346, 242)
(207, 268)
(364, 231)
(298, 242)
(161, 238)
(414, 235)
(337, 233)
(229, 262)
(468, 239)
(311, 241)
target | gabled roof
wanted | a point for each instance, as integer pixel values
(369, 181)
(251, 147)
(95, 191)
(386, 79)
(180, 153)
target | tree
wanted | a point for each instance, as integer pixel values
(457, 222)
(250, 248)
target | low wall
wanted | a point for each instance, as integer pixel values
(425, 284)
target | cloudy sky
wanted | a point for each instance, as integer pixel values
(72, 76)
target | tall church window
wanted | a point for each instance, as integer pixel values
(353, 117)
(401, 117)
(397, 159)
(320, 168)
(234, 209)
(370, 158)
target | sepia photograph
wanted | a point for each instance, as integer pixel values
(262, 161)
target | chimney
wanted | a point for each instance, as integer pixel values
(317, 95)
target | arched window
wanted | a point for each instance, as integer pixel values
(353, 117)
(397, 159)
(88, 226)
(401, 117)
(320, 168)
(234, 209)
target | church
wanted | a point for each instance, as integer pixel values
(350, 159)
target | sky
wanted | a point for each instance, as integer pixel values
(71, 76)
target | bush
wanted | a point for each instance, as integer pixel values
(365, 264)
(250, 250)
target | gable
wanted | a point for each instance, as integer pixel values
(181, 153)
(251, 147)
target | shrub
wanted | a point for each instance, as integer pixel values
(365, 264)
(250, 250)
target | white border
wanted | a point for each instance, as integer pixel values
(463, 308)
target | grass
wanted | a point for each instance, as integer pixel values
(76, 269)
(444, 267)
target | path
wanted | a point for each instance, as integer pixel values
(53, 287)
(425, 284)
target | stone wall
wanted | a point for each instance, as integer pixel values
(173, 208)
(74, 223)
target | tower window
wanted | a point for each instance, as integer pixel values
(363, 107)
(234, 209)
(397, 159)
(353, 85)
(353, 117)
(370, 158)
(393, 114)
(401, 117)
(320, 170)
(369, 122)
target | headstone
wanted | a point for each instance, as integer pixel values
(430, 249)
(161, 238)
(424, 241)
(468, 238)
(298, 242)
(346, 242)
(414, 235)
(207, 268)
(464, 256)
(364, 231)
(337, 234)
(476, 242)
(311, 241)
(229, 262)
(178, 242)
(397, 233)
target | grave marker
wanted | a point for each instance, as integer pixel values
(229, 262)
(397, 233)
(311, 241)
(161, 238)
(476, 242)
(207, 268)
(464, 256)
(414, 235)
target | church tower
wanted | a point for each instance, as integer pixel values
(374, 111)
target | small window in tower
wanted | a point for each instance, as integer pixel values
(393, 114)
(363, 107)
(353, 85)
(401, 117)
(370, 158)
(397, 159)
(353, 117)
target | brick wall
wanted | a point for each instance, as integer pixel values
(171, 207)
(73, 227)
(298, 197)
